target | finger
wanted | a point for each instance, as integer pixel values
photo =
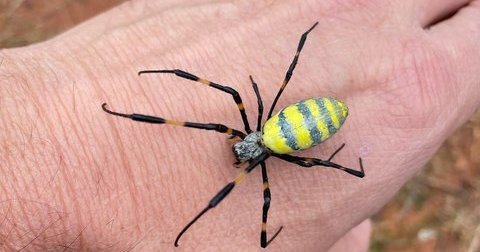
(357, 239)
(461, 34)
(429, 12)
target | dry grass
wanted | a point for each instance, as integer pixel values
(439, 210)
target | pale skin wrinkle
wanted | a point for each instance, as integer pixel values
(407, 89)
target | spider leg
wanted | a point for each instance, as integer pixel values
(336, 152)
(158, 120)
(226, 89)
(260, 104)
(266, 205)
(224, 192)
(291, 68)
(309, 162)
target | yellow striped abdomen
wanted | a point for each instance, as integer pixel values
(303, 124)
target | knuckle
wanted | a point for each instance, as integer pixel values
(422, 79)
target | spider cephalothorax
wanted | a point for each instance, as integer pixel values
(298, 126)
(249, 148)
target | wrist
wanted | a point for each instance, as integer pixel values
(58, 174)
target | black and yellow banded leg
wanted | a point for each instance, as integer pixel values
(224, 192)
(266, 205)
(289, 73)
(309, 162)
(226, 89)
(260, 104)
(158, 120)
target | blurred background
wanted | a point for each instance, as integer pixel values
(438, 210)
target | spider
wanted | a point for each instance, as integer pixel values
(298, 126)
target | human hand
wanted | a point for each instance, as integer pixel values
(116, 183)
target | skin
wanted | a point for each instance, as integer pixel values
(74, 177)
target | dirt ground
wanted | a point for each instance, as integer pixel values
(439, 210)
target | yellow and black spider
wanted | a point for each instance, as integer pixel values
(298, 126)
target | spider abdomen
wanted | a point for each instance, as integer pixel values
(303, 124)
